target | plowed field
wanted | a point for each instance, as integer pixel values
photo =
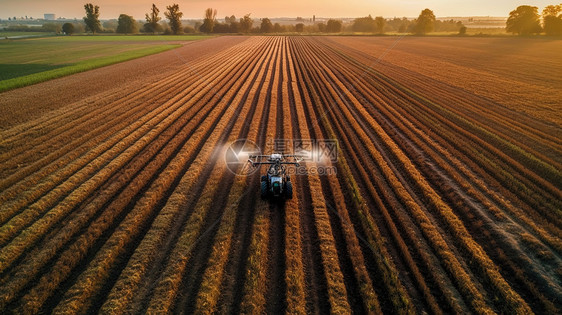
(115, 196)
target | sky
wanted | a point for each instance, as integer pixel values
(110, 9)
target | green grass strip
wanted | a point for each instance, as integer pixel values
(80, 67)
(165, 39)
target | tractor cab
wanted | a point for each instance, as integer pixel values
(275, 183)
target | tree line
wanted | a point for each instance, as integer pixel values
(425, 23)
(126, 24)
(524, 20)
(154, 24)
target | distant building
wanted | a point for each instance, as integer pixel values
(50, 16)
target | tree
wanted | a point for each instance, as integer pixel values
(524, 20)
(52, 27)
(110, 26)
(552, 19)
(126, 24)
(234, 26)
(79, 27)
(68, 28)
(221, 28)
(197, 26)
(230, 19)
(277, 28)
(174, 16)
(448, 26)
(189, 29)
(209, 21)
(333, 26)
(364, 24)
(462, 30)
(299, 28)
(246, 23)
(152, 20)
(266, 26)
(92, 18)
(403, 27)
(553, 10)
(425, 22)
(380, 23)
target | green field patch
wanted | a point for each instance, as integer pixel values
(24, 34)
(131, 38)
(10, 71)
(29, 61)
(25, 80)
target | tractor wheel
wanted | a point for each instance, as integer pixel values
(263, 189)
(289, 190)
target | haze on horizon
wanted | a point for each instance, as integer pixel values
(109, 9)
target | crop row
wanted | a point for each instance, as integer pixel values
(254, 295)
(430, 232)
(141, 261)
(148, 132)
(395, 290)
(209, 292)
(104, 115)
(389, 276)
(149, 171)
(127, 206)
(495, 234)
(389, 149)
(470, 149)
(164, 291)
(221, 117)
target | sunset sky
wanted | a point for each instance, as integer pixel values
(263, 8)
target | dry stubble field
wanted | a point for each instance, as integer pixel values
(447, 199)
